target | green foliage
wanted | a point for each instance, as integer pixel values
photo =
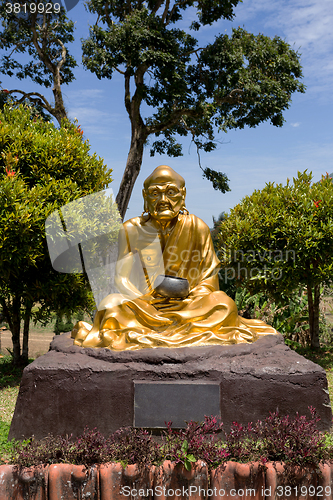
(10, 375)
(236, 81)
(292, 440)
(44, 154)
(7, 448)
(42, 168)
(4, 431)
(289, 317)
(196, 441)
(219, 180)
(250, 77)
(65, 323)
(295, 441)
(17, 32)
(42, 38)
(280, 239)
(37, 111)
(280, 230)
(187, 458)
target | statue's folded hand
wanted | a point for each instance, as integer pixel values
(161, 302)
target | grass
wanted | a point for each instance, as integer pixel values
(10, 377)
(7, 403)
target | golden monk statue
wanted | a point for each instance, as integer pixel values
(170, 241)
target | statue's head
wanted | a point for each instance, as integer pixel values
(164, 193)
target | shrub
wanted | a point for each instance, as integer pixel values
(42, 168)
(197, 441)
(127, 445)
(280, 239)
(295, 441)
(290, 440)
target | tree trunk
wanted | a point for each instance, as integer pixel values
(313, 305)
(16, 326)
(59, 111)
(133, 166)
(25, 347)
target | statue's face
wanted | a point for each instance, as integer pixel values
(164, 199)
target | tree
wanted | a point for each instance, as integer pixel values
(36, 109)
(43, 37)
(42, 168)
(280, 239)
(235, 81)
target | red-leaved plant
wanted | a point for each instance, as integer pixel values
(277, 438)
(197, 441)
(291, 440)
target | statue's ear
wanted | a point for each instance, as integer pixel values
(145, 204)
(183, 208)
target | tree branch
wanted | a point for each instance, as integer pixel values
(127, 93)
(28, 95)
(119, 71)
(177, 4)
(19, 43)
(193, 140)
(41, 54)
(172, 120)
(230, 98)
(137, 98)
(165, 13)
(63, 57)
(157, 6)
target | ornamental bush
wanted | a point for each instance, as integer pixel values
(42, 168)
(280, 240)
(295, 441)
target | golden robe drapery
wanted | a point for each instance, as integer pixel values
(207, 316)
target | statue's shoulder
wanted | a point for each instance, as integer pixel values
(197, 222)
(135, 222)
(132, 224)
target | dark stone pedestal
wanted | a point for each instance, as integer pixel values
(71, 387)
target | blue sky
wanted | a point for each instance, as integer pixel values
(249, 157)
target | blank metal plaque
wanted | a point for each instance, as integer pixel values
(158, 402)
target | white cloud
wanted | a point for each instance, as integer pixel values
(306, 25)
(93, 115)
(84, 94)
(297, 124)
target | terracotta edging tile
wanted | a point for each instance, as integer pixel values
(168, 481)
(70, 482)
(118, 483)
(20, 483)
(305, 484)
(238, 481)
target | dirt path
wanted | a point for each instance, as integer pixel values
(39, 342)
